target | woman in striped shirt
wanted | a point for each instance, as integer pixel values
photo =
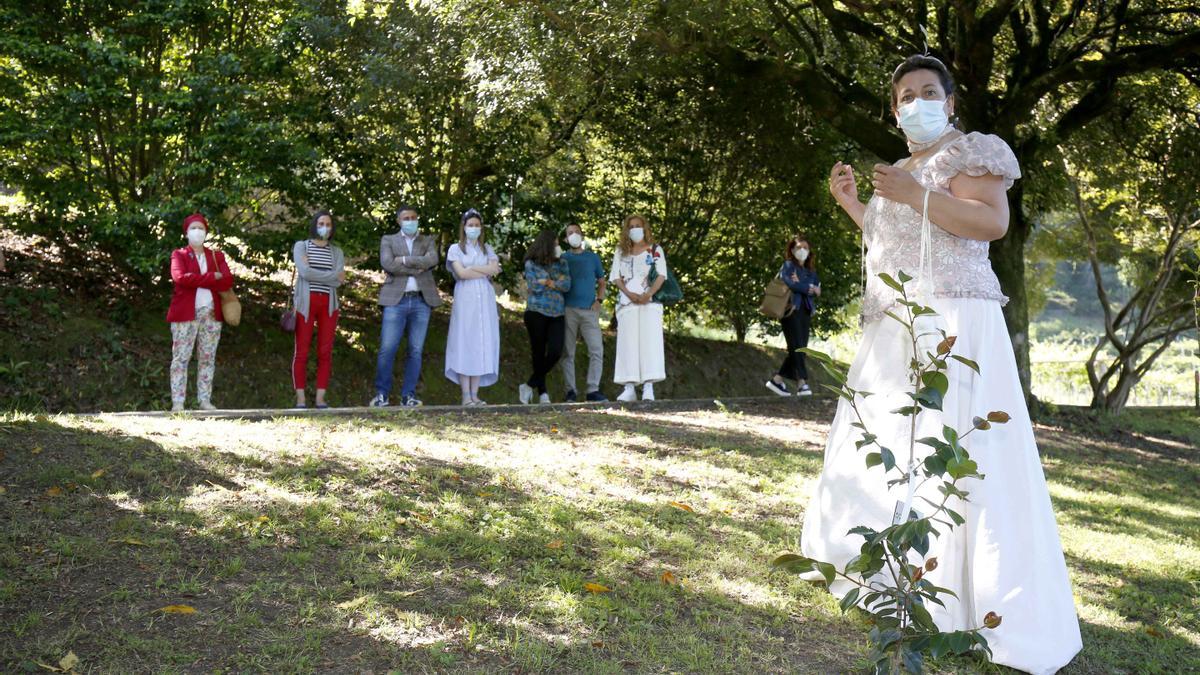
(320, 269)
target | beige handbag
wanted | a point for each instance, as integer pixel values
(777, 299)
(231, 308)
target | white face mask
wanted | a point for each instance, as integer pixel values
(473, 232)
(800, 253)
(575, 240)
(636, 234)
(323, 231)
(923, 120)
(197, 235)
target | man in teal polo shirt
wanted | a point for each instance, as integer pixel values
(588, 283)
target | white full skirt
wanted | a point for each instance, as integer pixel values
(1007, 557)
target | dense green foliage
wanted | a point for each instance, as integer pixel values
(718, 120)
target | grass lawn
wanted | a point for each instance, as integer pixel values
(468, 542)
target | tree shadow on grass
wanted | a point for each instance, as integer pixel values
(275, 581)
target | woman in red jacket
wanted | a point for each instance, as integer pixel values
(199, 273)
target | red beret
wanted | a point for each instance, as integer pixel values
(195, 218)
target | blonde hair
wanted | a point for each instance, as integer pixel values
(626, 242)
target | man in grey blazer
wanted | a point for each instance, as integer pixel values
(408, 297)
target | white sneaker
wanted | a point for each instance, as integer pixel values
(544, 399)
(778, 389)
(647, 392)
(177, 406)
(525, 393)
(628, 395)
(804, 391)
(206, 405)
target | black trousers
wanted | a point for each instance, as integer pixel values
(546, 337)
(795, 331)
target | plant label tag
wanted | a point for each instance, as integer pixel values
(896, 513)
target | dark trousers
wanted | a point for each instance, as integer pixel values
(795, 331)
(546, 334)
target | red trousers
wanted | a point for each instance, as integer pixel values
(325, 324)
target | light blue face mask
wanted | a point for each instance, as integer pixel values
(410, 227)
(322, 231)
(473, 232)
(923, 120)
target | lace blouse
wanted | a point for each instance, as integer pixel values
(892, 231)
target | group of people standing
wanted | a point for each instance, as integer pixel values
(566, 289)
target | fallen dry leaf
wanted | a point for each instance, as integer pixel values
(596, 588)
(485, 494)
(128, 540)
(178, 609)
(54, 491)
(683, 507)
(37, 450)
(98, 473)
(555, 545)
(261, 519)
(598, 644)
(669, 578)
(554, 430)
(351, 604)
(68, 662)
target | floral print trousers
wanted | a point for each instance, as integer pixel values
(206, 331)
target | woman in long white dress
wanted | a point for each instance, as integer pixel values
(1007, 557)
(473, 343)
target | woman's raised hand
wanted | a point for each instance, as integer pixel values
(842, 185)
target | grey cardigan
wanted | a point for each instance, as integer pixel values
(306, 274)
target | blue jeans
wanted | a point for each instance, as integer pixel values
(411, 314)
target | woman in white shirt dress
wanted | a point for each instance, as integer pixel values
(473, 345)
(640, 359)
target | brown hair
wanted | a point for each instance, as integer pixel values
(462, 229)
(810, 263)
(626, 242)
(541, 251)
(923, 62)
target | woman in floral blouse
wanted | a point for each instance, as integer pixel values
(548, 279)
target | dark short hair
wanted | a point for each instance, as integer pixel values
(923, 62)
(312, 226)
(406, 207)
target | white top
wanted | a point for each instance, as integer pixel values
(892, 231)
(411, 286)
(204, 298)
(635, 270)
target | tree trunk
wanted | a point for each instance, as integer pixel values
(1008, 261)
(739, 327)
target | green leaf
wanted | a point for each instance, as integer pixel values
(968, 362)
(913, 661)
(791, 560)
(930, 398)
(849, 599)
(921, 617)
(934, 465)
(874, 459)
(892, 283)
(961, 469)
(907, 410)
(904, 278)
(889, 460)
(955, 516)
(827, 570)
(937, 381)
